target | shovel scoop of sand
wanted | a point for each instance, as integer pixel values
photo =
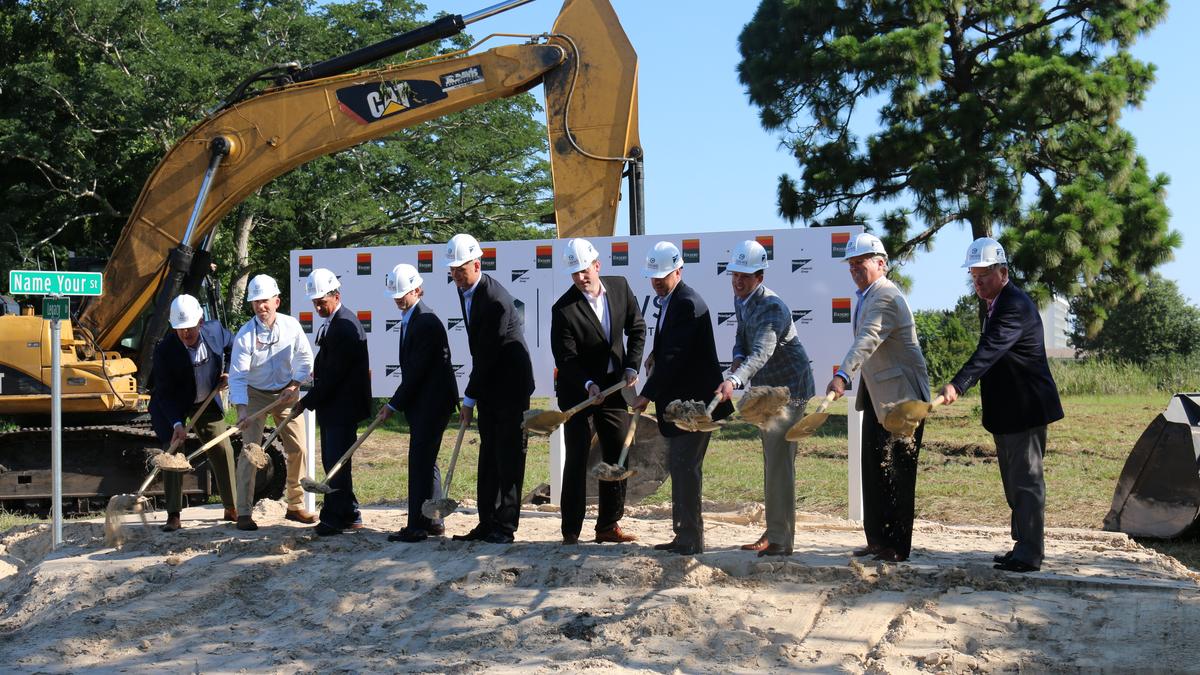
(170, 461)
(904, 418)
(691, 415)
(761, 406)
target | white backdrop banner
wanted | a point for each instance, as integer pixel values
(806, 270)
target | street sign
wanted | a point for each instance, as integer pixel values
(56, 308)
(43, 282)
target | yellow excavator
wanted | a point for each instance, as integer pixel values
(272, 122)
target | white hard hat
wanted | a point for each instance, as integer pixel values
(261, 287)
(748, 257)
(186, 312)
(579, 254)
(864, 244)
(402, 280)
(321, 282)
(663, 259)
(462, 249)
(985, 252)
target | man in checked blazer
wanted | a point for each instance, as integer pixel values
(767, 352)
(596, 334)
(893, 369)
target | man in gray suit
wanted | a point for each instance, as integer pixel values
(885, 348)
(767, 350)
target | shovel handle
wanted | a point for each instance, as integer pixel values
(629, 436)
(462, 431)
(279, 427)
(937, 401)
(195, 418)
(825, 402)
(588, 401)
(350, 451)
(712, 405)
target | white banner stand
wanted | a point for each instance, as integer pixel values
(854, 454)
(310, 456)
(558, 457)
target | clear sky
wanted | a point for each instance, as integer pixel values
(710, 166)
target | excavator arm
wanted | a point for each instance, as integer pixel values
(587, 65)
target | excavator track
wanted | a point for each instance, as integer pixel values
(99, 462)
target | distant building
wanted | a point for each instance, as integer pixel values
(1056, 327)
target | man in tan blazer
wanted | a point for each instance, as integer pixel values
(886, 350)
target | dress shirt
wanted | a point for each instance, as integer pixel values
(268, 359)
(200, 355)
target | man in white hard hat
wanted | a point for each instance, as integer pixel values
(189, 364)
(340, 396)
(271, 359)
(682, 366)
(596, 334)
(1020, 398)
(886, 351)
(427, 395)
(500, 384)
(767, 352)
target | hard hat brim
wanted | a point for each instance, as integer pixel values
(744, 269)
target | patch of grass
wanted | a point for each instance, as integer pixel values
(9, 520)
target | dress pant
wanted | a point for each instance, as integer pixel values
(1020, 458)
(685, 460)
(209, 425)
(502, 446)
(889, 481)
(292, 437)
(611, 420)
(779, 476)
(340, 507)
(424, 442)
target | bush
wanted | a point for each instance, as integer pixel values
(1159, 323)
(948, 338)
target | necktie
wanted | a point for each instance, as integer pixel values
(321, 333)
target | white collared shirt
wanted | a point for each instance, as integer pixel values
(268, 358)
(599, 305)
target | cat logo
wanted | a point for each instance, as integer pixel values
(367, 103)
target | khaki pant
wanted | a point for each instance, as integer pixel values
(209, 425)
(292, 437)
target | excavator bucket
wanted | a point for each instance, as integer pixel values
(1158, 492)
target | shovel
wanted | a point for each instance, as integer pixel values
(255, 453)
(323, 488)
(165, 461)
(810, 422)
(906, 416)
(686, 415)
(544, 422)
(617, 472)
(438, 509)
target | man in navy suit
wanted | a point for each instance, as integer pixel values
(500, 384)
(188, 365)
(1019, 397)
(684, 366)
(340, 395)
(427, 395)
(596, 334)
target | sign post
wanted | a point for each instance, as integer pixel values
(56, 308)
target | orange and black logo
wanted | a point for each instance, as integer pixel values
(306, 321)
(489, 259)
(364, 263)
(364, 317)
(620, 254)
(545, 257)
(367, 103)
(767, 242)
(841, 310)
(838, 241)
(691, 250)
(305, 265)
(425, 260)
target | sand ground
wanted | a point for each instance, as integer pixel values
(212, 599)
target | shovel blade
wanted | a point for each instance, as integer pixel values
(806, 426)
(905, 417)
(313, 486)
(543, 422)
(437, 509)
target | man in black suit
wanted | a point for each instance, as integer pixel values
(586, 325)
(683, 365)
(427, 395)
(501, 382)
(1019, 397)
(340, 395)
(189, 364)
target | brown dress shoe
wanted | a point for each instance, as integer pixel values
(869, 549)
(230, 515)
(173, 523)
(759, 545)
(246, 523)
(615, 535)
(301, 516)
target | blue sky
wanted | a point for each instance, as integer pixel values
(710, 166)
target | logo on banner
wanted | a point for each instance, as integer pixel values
(489, 259)
(620, 254)
(722, 266)
(393, 325)
(391, 370)
(838, 241)
(455, 324)
(364, 263)
(305, 265)
(425, 260)
(767, 242)
(545, 257)
(368, 103)
(726, 318)
(841, 310)
(801, 265)
(462, 78)
(457, 367)
(801, 316)
(449, 278)
(520, 275)
(306, 321)
(364, 317)
(691, 250)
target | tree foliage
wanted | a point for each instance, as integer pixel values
(947, 338)
(1156, 323)
(1002, 115)
(93, 93)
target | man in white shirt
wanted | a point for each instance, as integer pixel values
(271, 358)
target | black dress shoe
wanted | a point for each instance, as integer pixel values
(499, 538)
(1014, 565)
(1002, 558)
(409, 536)
(869, 549)
(476, 534)
(667, 546)
(324, 530)
(775, 549)
(890, 555)
(570, 539)
(688, 549)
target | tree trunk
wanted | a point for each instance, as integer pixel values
(243, 226)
